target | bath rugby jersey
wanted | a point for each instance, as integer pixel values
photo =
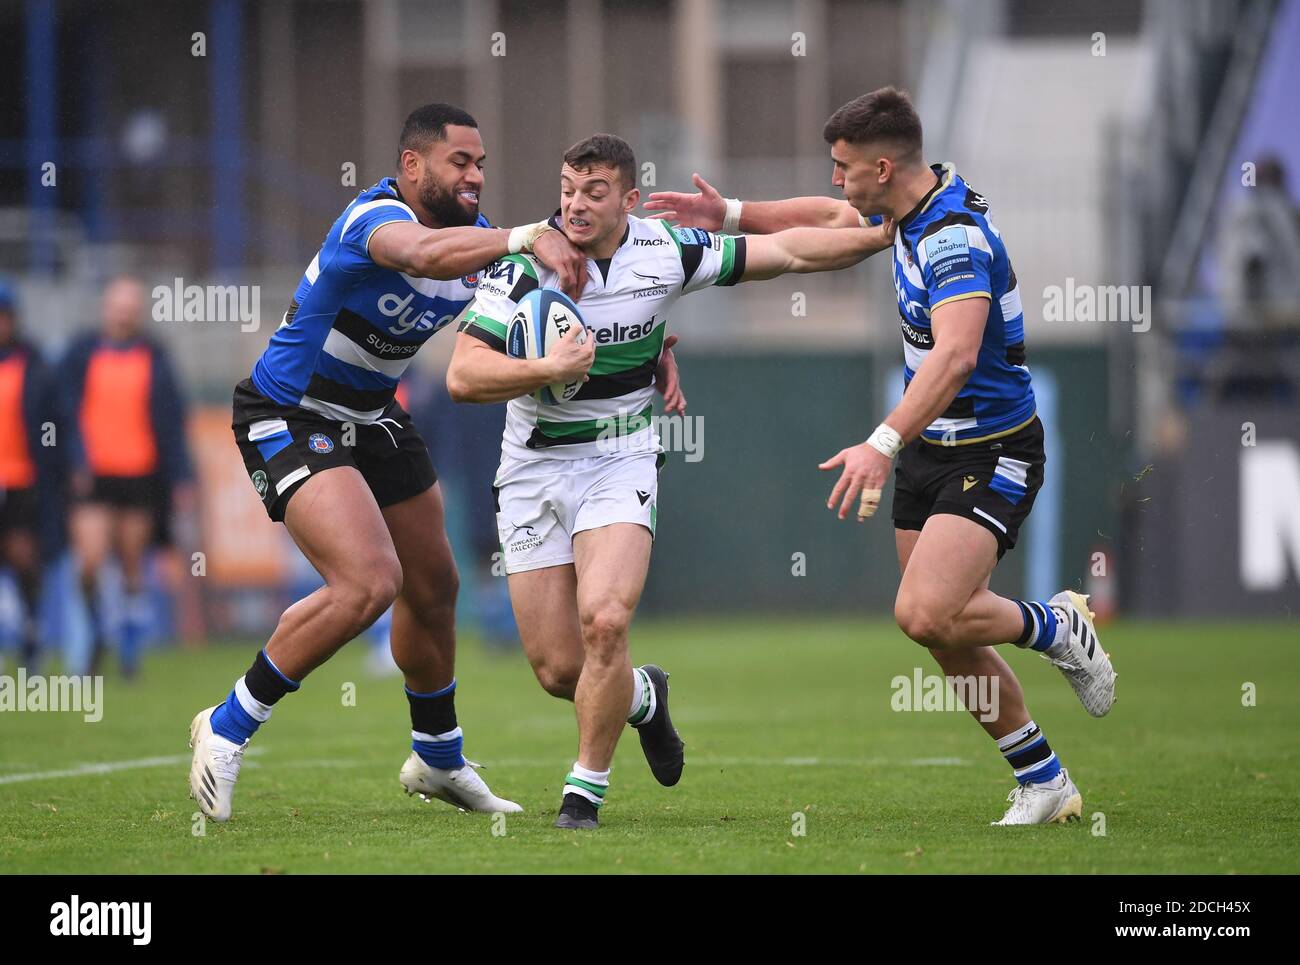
(353, 326)
(625, 305)
(947, 249)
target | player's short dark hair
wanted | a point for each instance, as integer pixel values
(885, 115)
(428, 124)
(608, 149)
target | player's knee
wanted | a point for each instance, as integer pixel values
(604, 629)
(373, 590)
(432, 595)
(558, 679)
(922, 622)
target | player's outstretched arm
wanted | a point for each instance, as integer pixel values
(709, 210)
(446, 253)
(812, 249)
(958, 328)
(480, 373)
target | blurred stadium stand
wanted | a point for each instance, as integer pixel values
(1114, 169)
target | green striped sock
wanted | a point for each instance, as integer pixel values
(643, 695)
(587, 783)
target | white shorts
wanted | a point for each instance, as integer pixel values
(542, 503)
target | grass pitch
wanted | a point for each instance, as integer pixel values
(788, 728)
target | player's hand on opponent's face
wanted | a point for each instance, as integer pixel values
(563, 257)
(668, 380)
(864, 475)
(567, 360)
(704, 210)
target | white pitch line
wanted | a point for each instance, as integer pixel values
(109, 767)
(106, 767)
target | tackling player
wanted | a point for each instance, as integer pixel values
(334, 457)
(576, 490)
(968, 442)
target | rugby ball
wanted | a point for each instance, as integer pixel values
(541, 318)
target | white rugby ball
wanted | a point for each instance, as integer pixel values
(541, 318)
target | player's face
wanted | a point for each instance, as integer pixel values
(859, 171)
(451, 177)
(122, 308)
(594, 204)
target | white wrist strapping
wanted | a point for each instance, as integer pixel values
(886, 441)
(731, 220)
(525, 236)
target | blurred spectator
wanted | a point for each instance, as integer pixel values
(126, 421)
(1260, 292)
(25, 402)
(1260, 253)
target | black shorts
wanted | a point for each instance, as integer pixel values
(290, 443)
(126, 492)
(992, 483)
(18, 509)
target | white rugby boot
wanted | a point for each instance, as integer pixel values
(1044, 803)
(1079, 654)
(214, 768)
(461, 788)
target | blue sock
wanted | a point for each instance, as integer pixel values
(435, 735)
(1040, 625)
(249, 703)
(232, 721)
(1031, 758)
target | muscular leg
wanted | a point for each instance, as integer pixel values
(943, 600)
(335, 522)
(545, 602)
(424, 614)
(611, 564)
(974, 661)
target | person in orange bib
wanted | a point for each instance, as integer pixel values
(125, 418)
(24, 402)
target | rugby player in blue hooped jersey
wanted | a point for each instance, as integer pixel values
(968, 442)
(335, 458)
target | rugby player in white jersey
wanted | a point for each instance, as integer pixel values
(966, 434)
(577, 485)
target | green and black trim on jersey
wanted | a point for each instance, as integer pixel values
(625, 307)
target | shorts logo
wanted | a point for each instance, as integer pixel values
(260, 482)
(470, 281)
(968, 482)
(528, 541)
(642, 495)
(319, 442)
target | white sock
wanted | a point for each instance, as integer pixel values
(644, 699)
(596, 783)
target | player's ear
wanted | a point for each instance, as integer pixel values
(631, 200)
(410, 164)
